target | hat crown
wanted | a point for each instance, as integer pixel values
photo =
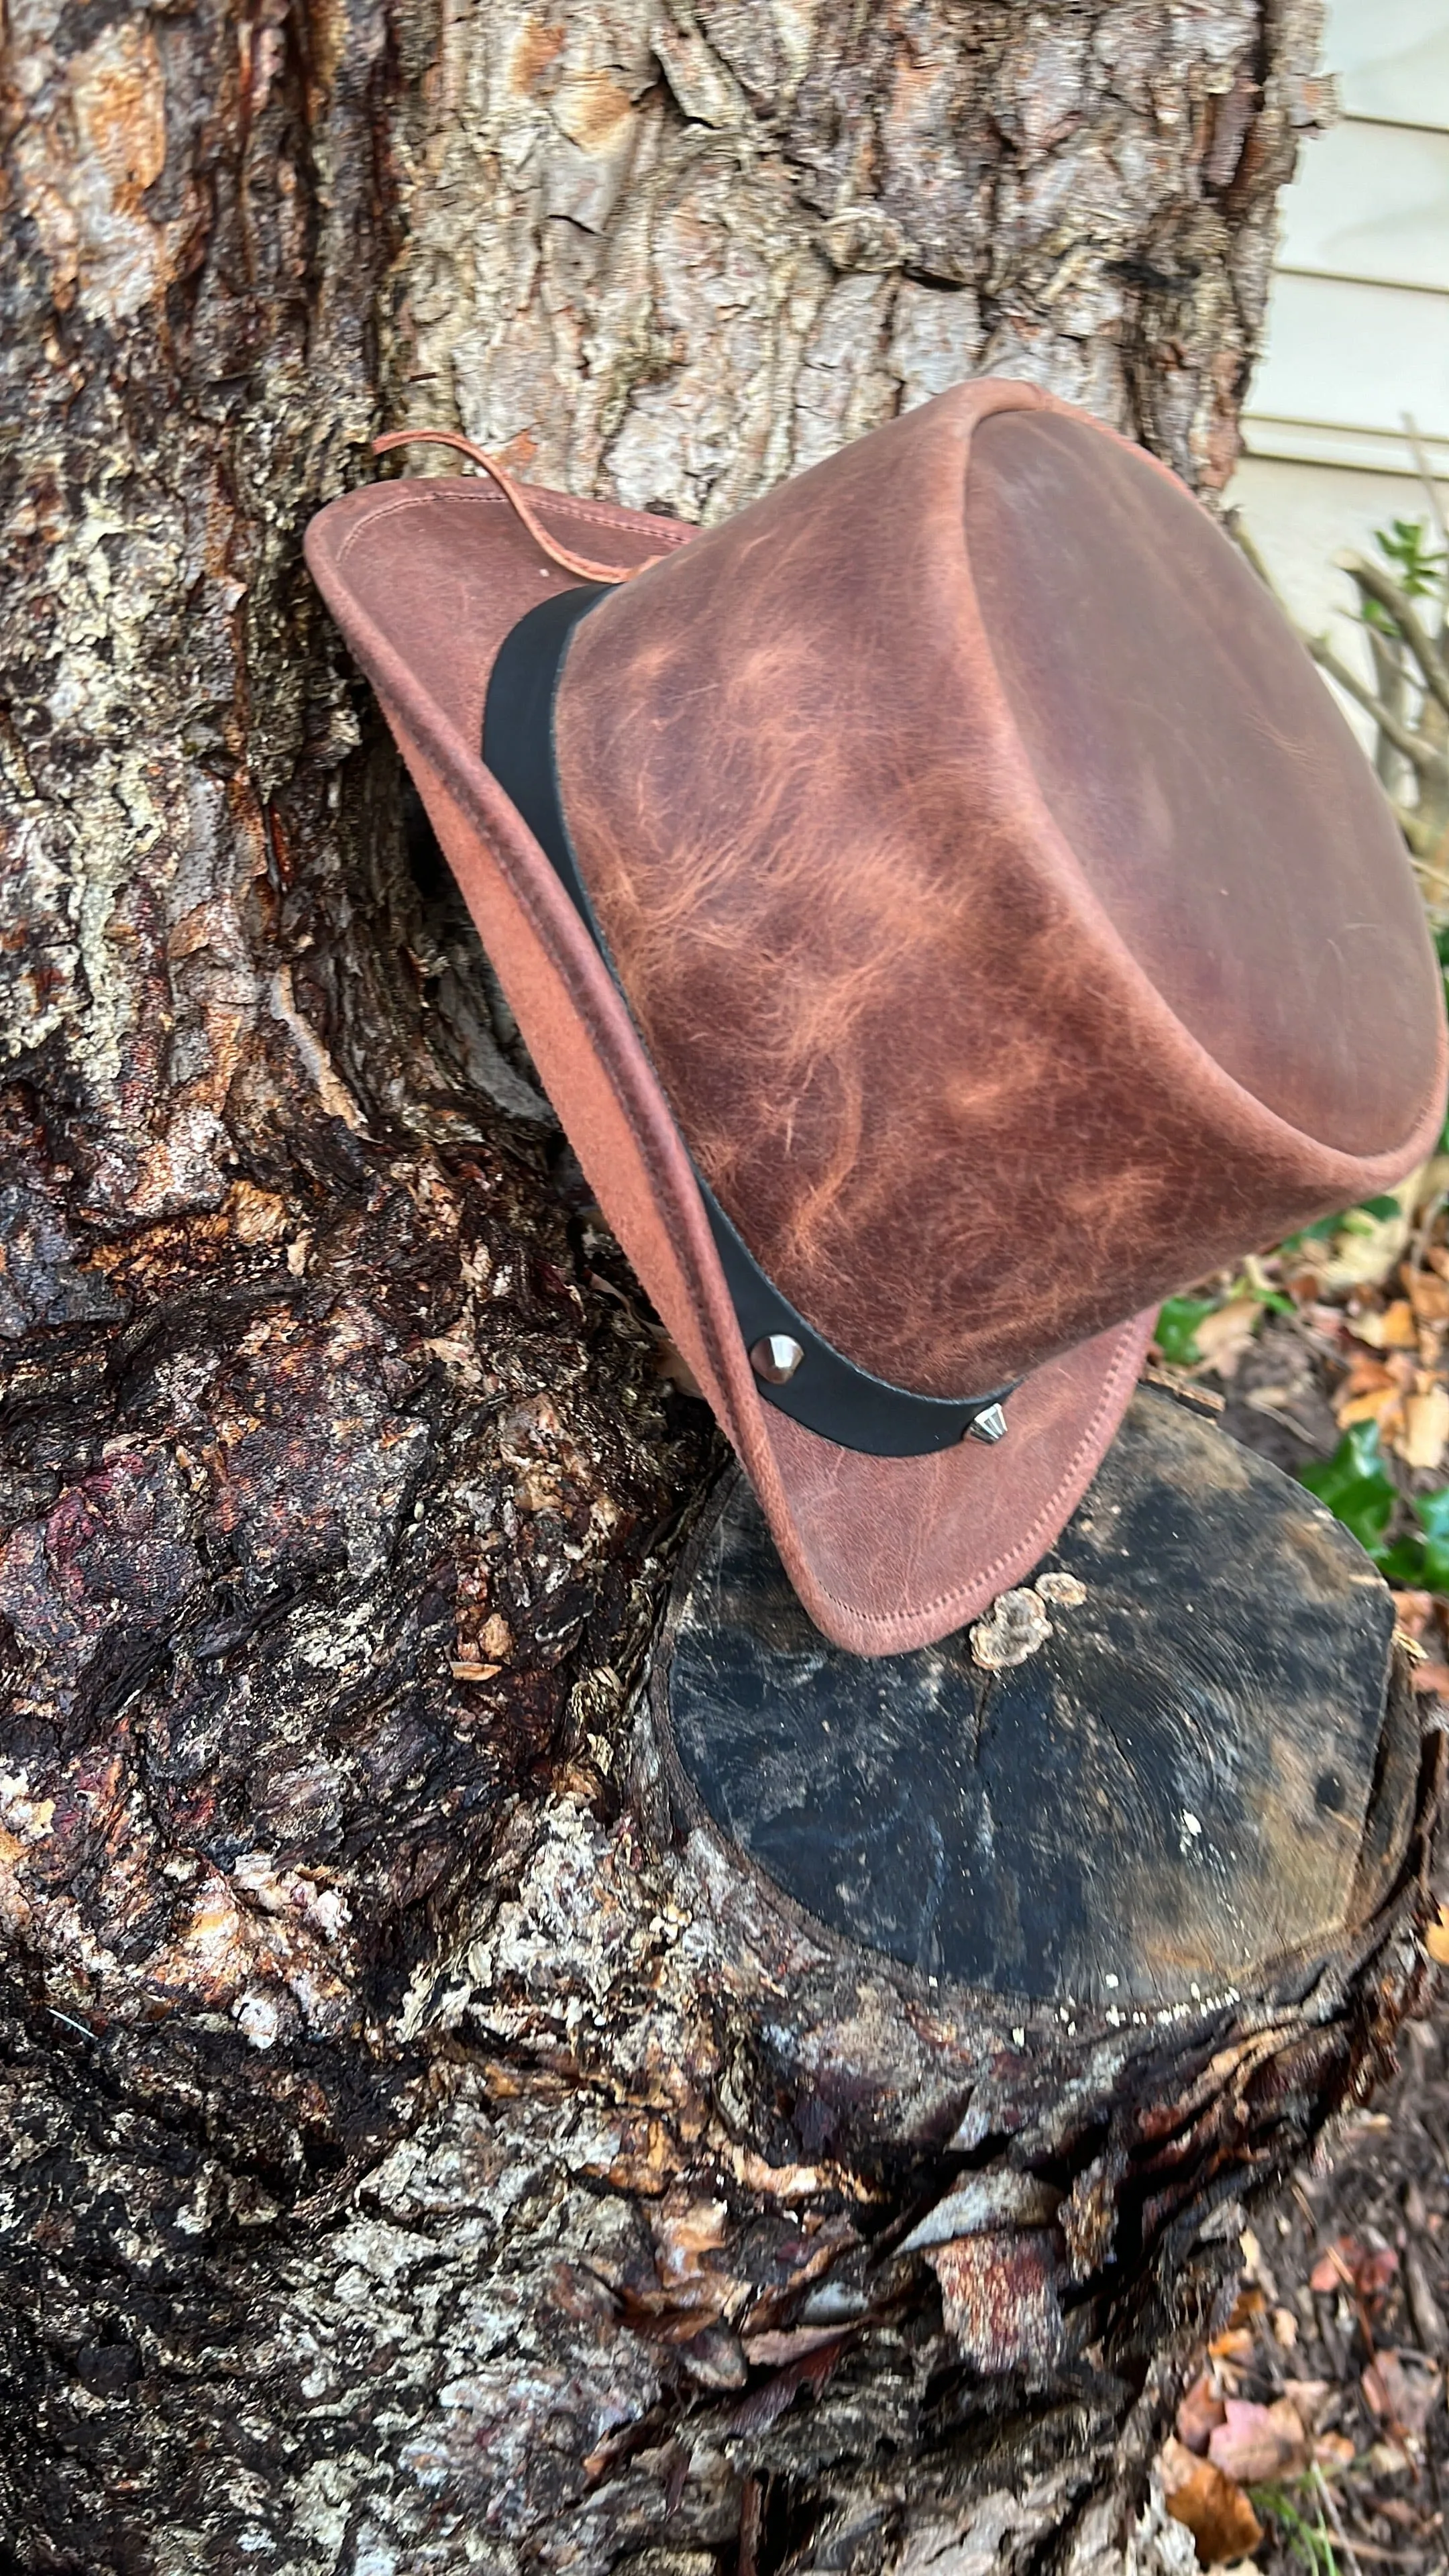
(1190, 756)
(1014, 925)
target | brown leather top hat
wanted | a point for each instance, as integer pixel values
(948, 913)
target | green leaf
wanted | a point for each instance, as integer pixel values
(1354, 1220)
(1405, 543)
(1404, 1564)
(1431, 1511)
(1354, 1485)
(1177, 1323)
(1362, 1220)
(1319, 1233)
(1434, 1572)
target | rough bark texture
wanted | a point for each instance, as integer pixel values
(397, 2173)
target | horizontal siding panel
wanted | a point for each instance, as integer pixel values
(1392, 58)
(1354, 357)
(1366, 450)
(1371, 201)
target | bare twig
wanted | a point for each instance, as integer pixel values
(1328, 2507)
(1428, 763)
(1238, 529)
(1428, 842)
(1427, 477)
(1391, 680)
(1306, 2205)
(1425, 833)
(1400, 607)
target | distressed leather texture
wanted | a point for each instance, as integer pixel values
(1014, 923)
(863, 956)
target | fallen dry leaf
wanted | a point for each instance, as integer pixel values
(1308, 2398)
(1428, 1295)
(1401, 2391)
(1388, 2460)
(1272, 1399)
(1200, 2413)
(1329, 1322)
(1412, 1613)
(1213, 2506)
(1364, 1253)
(1393, 1330)
(1366, 1375)
(1259, 2442)
(1436, 1939)
(1382, 1404)
(1235, 2343)
(1333, 2451)
(1432, 1677)
(1398, 2509)
(1347, 2265)
(1425, 1434)
(1223, 1337)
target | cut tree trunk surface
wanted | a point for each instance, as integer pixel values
(1169, 1761)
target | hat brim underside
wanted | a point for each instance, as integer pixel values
(425, 577)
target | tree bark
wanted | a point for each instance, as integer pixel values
(390, 2149)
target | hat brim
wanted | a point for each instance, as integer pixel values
(425, 577)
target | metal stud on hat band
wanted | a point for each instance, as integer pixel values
(990, 1426)
(776, 1358)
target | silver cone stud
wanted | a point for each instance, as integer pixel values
(989, 1426)
(776, 1358)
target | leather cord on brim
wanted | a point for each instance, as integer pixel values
(826, 1392)
(516, 496)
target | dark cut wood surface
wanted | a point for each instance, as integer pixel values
(1200, 1769)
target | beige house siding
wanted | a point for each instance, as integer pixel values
(1358, 330)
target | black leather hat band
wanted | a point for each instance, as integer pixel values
(823, 1390)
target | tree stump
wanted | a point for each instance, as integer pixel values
(1062, 1950)
(1169, 1761)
